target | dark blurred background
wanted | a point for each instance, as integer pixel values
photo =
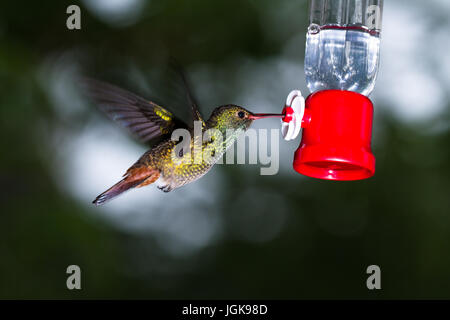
(234, 233)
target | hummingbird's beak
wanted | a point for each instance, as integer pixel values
(256, 116)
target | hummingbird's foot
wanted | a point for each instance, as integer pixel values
(165, 188)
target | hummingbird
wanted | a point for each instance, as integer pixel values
(148, 121)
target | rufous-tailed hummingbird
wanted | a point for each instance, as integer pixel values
(148, 121)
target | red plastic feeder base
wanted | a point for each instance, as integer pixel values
(336, 137)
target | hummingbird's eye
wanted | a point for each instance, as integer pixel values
(241, 114)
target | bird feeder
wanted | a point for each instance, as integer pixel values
(341, 64)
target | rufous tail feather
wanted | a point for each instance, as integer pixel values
(136, 176)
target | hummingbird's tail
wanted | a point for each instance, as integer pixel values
(137, 176)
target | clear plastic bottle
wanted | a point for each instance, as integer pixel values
(343, 45)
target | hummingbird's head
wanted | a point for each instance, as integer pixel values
(234, 117)
(230, 117)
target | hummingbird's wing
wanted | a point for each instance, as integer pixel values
(143, 118)
(196, 115)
